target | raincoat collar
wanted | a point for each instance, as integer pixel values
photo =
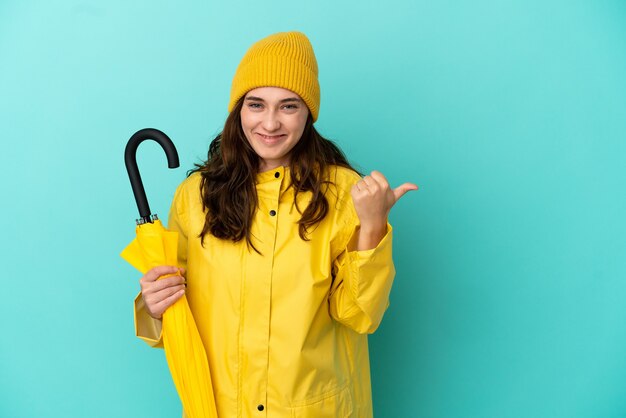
(279, 175)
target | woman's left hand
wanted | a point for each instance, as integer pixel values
(373, 199)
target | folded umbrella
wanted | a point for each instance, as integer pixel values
(153, 246)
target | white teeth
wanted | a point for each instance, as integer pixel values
(270, 138)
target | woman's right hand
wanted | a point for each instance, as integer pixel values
(158, 295)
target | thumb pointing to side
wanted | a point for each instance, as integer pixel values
(400, 191)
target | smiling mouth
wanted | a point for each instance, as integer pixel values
(269, 136)
(270, 139)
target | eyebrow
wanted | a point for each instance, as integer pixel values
(289, 99)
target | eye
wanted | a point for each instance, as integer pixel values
(255, 105)
(291, 106)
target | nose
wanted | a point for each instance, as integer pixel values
(271, 121)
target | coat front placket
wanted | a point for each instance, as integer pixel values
(256, 296)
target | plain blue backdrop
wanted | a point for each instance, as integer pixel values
(511, 258)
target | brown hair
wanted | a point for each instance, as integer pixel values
(228, 179)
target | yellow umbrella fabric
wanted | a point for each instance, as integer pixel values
(153, 246)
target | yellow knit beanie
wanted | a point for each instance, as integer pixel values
(284, 59)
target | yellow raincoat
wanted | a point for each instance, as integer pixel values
(285, 332)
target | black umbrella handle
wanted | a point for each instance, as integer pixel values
(130, 158)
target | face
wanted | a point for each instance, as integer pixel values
(273, 120)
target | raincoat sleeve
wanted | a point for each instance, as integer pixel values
(146, 327)
(362, 280)
(361, 286)
(178, 219)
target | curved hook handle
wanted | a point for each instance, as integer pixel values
(130, 158)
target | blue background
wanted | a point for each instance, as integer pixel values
(511, 258)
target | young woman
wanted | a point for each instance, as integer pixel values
(287, 250)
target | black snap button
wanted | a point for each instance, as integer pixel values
(260, 407)
(277, 174)
(272, 212)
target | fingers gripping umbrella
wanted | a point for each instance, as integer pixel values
(154, 246)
